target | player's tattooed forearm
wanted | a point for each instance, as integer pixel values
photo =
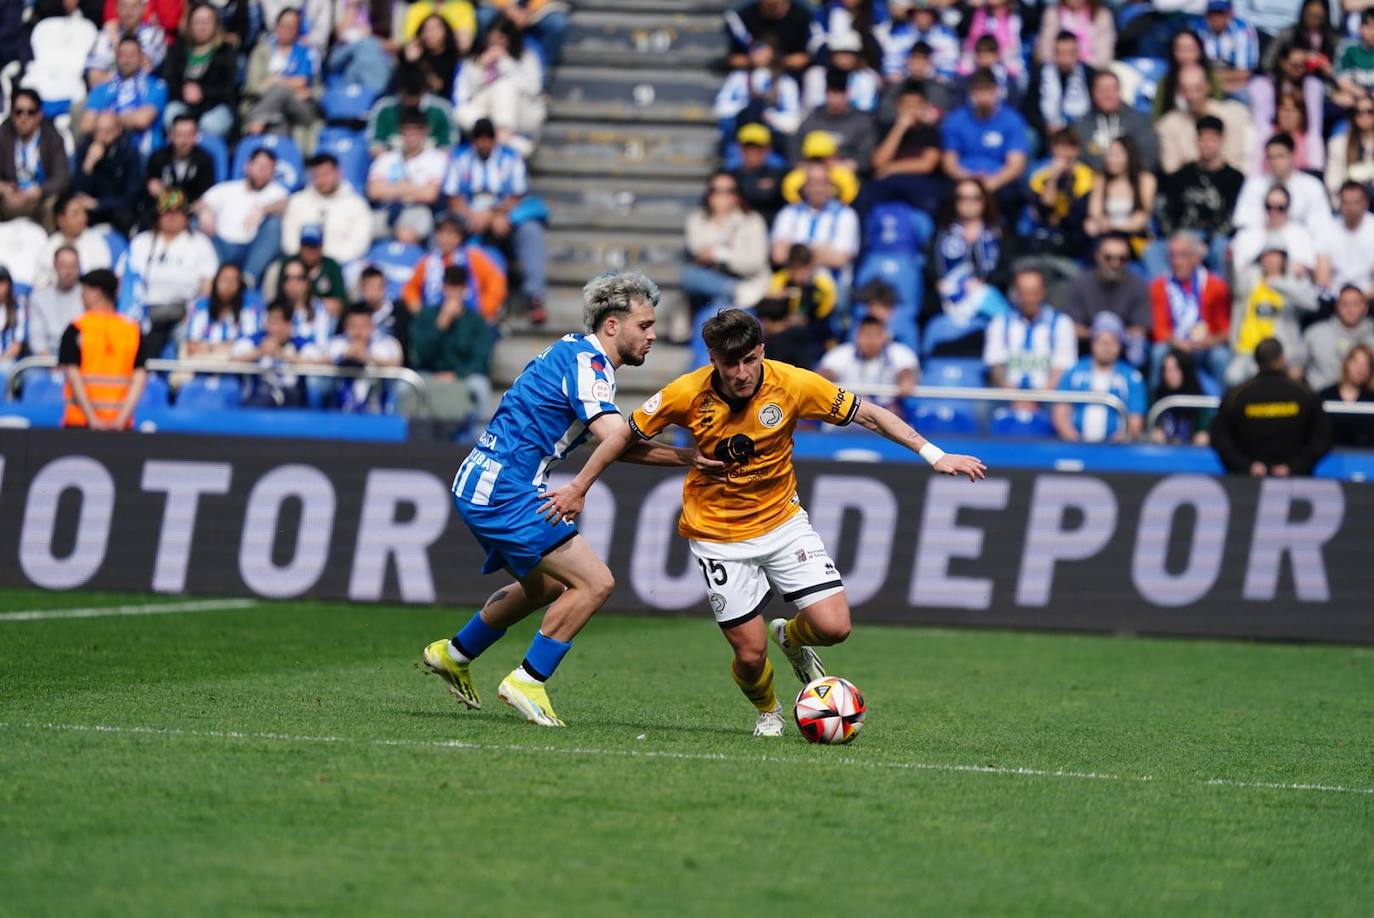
(496, 597)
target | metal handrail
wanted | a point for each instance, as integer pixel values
(975, 394)
(1212, 401)
(402, 375)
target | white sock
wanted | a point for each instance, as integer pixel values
(456, 653)
(524, 675)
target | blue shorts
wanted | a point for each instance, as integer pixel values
(514, 535)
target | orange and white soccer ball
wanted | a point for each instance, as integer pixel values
(830, 710)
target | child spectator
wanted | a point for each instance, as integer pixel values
(276, 349)
(362, 346)
(1059, 200)
(809, 292)
(784, 337)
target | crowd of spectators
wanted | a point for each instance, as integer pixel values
(290, 182)
(1114, 197)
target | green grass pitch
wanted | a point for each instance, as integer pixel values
(289, 758)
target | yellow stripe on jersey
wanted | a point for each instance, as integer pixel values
(759, 493)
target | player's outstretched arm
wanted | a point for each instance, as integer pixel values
(617, 442)
(885, 423)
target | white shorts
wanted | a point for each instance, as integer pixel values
(741, 577)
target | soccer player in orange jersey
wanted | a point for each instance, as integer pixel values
(748, 530)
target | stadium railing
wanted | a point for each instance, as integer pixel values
(402, 375)
(977, 394)
(1211, 401)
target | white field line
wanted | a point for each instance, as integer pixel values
(161, 608)
(681, 756)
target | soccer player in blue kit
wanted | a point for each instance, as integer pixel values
(563, 396)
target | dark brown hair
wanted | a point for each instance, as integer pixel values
(731, 333)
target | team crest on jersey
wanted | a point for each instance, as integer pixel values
(601, 390)
(770, 415)
(653, 403)
(598, 364)
(717, 603)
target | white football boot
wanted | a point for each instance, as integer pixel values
(770, 723)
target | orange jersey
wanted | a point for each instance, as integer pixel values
(760, 492)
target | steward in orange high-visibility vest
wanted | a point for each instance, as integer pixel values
(102, 355)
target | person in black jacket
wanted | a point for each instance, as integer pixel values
(181, 164)
(107, 177)
(201, 74)
(1271, 424)
(33, 161)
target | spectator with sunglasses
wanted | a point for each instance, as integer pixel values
(1278, 225)
(33, 161)
(1111, 288)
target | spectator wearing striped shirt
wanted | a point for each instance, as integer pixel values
(762, 93)
(1230, 44)
(486, 187)
(820, 221)
(230, 312)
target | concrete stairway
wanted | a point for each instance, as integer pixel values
(624, 156)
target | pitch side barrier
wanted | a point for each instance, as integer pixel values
(1175, 554)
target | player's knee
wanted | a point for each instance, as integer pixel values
(601, 585)
(834, 631)
(749, 660)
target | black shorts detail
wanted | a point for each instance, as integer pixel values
(763, 603)
(559, 544)
(798, 594)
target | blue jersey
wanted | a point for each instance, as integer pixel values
(542, 418)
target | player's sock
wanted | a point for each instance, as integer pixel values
(760, 691)
(542, 658)
(475, 637)
(799, 632)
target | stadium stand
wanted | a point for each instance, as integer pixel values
(966, 142)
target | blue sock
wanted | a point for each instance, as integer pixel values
(544, 656)
(476, 637)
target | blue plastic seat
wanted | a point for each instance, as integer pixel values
(941, 330)
(290, 169)
(42, 387)
(901, 272)
(350, 148)
(156, 395)
(209, 393)
(347, 102)
(897, 228)
(953, 371)
(1010, 422)
(219, 154)
(945, 416)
